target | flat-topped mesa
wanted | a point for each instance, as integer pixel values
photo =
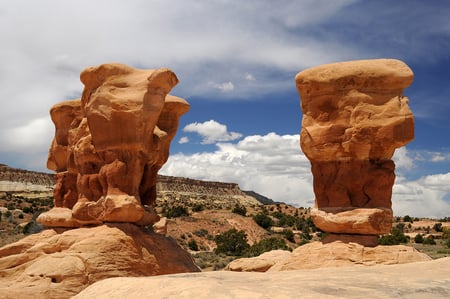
(110, 144)
(354, 117)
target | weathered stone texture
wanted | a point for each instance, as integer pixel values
(110, 144)
(354, 117)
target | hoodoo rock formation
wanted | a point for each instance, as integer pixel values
(354, 117)
(110, 144)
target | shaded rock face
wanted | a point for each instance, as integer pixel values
(59, 263)
(110, 144)
(354, 117)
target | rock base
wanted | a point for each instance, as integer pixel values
(59, 263)
(364, 240)
(335, 254)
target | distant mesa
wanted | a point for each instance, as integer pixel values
(354, 117)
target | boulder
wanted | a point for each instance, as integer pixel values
(59, 263)
(354, 117)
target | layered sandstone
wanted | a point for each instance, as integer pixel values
(354, 117)
(59, 263)
(110, 144)
(328, 254)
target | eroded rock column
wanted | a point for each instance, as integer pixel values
(354, 117)
(110, 144)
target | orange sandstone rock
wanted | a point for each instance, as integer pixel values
(110, 144)
(354, 117)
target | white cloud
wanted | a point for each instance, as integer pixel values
(212, 131)
(249, 77)
(183, 140)
(224, 87)
(402, 159)
(424, 197)
(272, 165)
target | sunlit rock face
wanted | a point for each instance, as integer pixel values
(354, 117)
(110, 144)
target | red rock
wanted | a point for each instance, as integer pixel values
(354, 117)
(110, 144)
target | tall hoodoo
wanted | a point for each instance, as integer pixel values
(354, 117)
(110, 144)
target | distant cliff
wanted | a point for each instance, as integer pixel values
(15, 179)
(182, 190)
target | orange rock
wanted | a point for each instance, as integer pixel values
(110, 144)
(354, 117)
(59, 263)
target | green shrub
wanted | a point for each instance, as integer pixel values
(394, 238)
(240, 210)
(289, 235)
(263, 220)
(266, 245)
(201, 232)
(231, 242)
(429, 241)
(418, 239)
(175, 211)
(198, 207)
(192, 244)
(438, 227)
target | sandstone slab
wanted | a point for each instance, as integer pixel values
(430, 279)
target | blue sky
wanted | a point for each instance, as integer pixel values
(236, 61)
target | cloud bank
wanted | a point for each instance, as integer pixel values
(273, 165)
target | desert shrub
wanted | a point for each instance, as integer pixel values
(447, 243)
(407, 218)
(289, 235)
(263, 220)
(286, 220)
(266, 245)
(231, 242)
(429, 241)
(438, 227)
(20, 216)
(28, 210)
(200, 233)
(192, 244)
(418, 239)
(198, 207)
(175, 211)
(240, 210)
(394, 238)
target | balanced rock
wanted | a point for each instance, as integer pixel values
(110, 144)
(59, 263)
(354, 117)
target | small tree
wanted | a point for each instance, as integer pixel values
(429, 241)
(438, 227)
(240, 210)
(289, 235)
(193, 245)
(418, 239)
(266, 245)
(231, 242)
(263, 220)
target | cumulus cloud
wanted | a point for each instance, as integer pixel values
(271, 164)
(183, 140)
(224, 87)
(402, 159)
(212, 131)
(274, 166)
(425, 197)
